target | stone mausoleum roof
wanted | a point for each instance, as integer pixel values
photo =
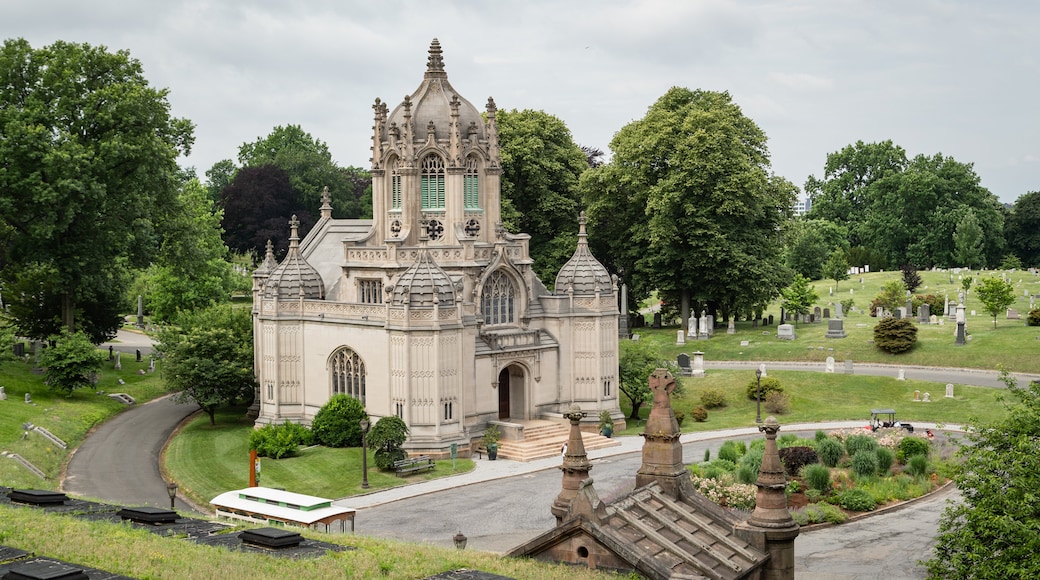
(294, 277)
(424, 283)
(582, 274)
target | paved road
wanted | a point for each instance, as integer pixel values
(119, 461)
(129, 341)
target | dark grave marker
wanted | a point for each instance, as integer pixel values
(148, 515)
(37, 496)
(274, 538)
(44, 570)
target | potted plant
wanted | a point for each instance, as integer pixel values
(490, 441)
(606, 423)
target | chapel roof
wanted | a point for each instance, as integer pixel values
(269, 264)
(295, 277)
(424, 283)
(432, 103)
(583, 274)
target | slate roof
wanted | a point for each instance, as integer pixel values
(583, 274)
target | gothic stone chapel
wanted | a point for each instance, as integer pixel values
(431, 310)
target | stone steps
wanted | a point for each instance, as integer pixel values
(544, 439)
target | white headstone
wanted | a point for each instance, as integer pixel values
(3, 394)
(838, 310)
(830, 364)
(785, 332)
(698, 364)
(901, 376)
(28, 399)
(119, 364)
(745, 343)
(927, 398)
(762, 369)
(949, 390)
(680, 338)
(732, 328)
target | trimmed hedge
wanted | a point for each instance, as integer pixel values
(769, 385)
(895, 335)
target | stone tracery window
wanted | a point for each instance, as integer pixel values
(348, 374)
(432, 182)
(499, 299)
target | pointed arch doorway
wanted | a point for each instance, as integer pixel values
(511, 393)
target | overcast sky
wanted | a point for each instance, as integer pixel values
(957, 78)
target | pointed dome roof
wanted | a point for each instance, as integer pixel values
(424, 284)
(294, 277)
(269, 264)
(583, 273)
(432, 103)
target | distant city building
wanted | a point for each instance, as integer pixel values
(802, 206)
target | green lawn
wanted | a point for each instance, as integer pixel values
(209, 460)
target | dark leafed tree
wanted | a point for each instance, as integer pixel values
(258, 205)
(1023, 229)
(88, 155)
(688, 205)
(541, 166)
(911, 279)
(593, 155)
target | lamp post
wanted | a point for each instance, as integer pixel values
(758, 396)
(364, 453)
(171, 490)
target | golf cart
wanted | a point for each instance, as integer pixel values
(883, 418)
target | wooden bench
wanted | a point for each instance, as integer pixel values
(413, 465)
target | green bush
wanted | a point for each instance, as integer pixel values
(769, 385)
(386, 437)
(813, 495)
(830, 451)
(724, 464)
(865, 463)
(895, 335)
(713, 399)
(820, 435)
(699, 414)
(385, 458)
(337, 423)
(917, 465)
(818, 477)
(1033, 319)
(752, 459)
(746, 475)
(680, 417)
(778, 403)
(278, 441)
(911, 446)
(857, 500)
(793, 487)
(730, 451)
(856, 443)
(885, 458)
(817, 513)
(787, 440)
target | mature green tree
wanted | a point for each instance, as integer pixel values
(906, 210)
(192, 270)
(208, 357)
(1023, 229)
(713, 217)
(892, 295)
(386, 438)
(218, 177)
(967, 242)
(338, 422)
(996, 294)
(992, 531)
(310, 167)
(811, 243)
(541, 165)
(637, 360)
(71, 362)
(836, 267)
(88, 156)
(799, 296)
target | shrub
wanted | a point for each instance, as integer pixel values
(911, 446)
(337, 423)
(820, 435)
(895, 335)
(386, 437)
(385, 458)
(680, 417)
(278, 441)
(786, 440)
(856, 443)
(730, 451)
(865, 463)
(752, 460)
(885, 458)
(830, 451)
(707, 455)
(769, 385)
(857, 500)
(793, 487)
(724, 464)
(699, 414)
(817, 513)
(1033, 319)
(746, 475)
(813, 495)
(917, 466)
(713, 398)
(794, 458)
(935, 303)
(846, 305)
(817, 477)
(778, 403)
(831, 513)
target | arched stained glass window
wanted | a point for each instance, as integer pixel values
(432, 182)
(348, 374)
(499, 299)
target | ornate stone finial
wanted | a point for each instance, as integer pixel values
(770, 499)
(491, 108)
(435, 62)
(662, 451)
(326, 203)
(294, 226)
(431, 128)
(576, 465)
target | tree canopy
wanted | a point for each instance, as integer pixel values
(1023, 229)
(88, 153)
(908, 210)
(636, 361)
(541, 166)
(257, 206)
(996, 294)
(689, 207)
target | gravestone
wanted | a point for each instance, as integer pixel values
(680, 338)
(973, 313)
(138, 355)
(829, 364)
(19, 349)
(745, 343)
(1012, 314)
(949, 390)
(657, 320)
(110, 355)
(762, 369)
(731, 328)
(770, 320)
(754, 323)
(926, 398)
(826, 312)
(119, 362)
(812, 318)
(960, 341)
(151, 365)
(709, 325)
(28, 399)
(917, 396)
(924, 313)
(848, 366)
(785, 332)
(901, 376)
(835, 328)
(683, 360)
(941, 321)
(817, 314)
(838, 311)
(635, 336)
(691, 327)
(698, 364)
(946, 307)
(898, 314)
(783, 316)
(3, 394)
